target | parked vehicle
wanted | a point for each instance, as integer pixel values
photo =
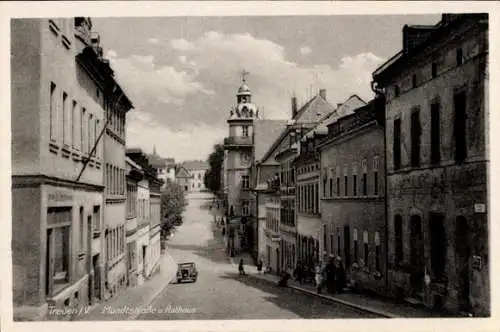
(187, 271)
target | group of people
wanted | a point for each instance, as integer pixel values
(331, 275)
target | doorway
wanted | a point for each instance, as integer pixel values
(347, 245)
(462, 247)
(416, 254)
(438, 245)
(144, 261)
(97, 277)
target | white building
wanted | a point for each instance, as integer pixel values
(197, 169)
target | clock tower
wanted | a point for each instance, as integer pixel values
(238, 157)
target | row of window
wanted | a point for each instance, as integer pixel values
(143, 213)
(117, 123)
(287, 174)
(72, 124)
(330, 189)
(307, 169)
(370, 259)
(272, 219)
(287, 212)
(115, 180)
(131, 200)
(415, 80)
(459, 133)
(115, 242)
(155, 214)
(438, 239)
(308, 197)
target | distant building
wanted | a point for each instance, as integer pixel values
(436, 92)
(165, 167)
(183, 178)
(197, 169)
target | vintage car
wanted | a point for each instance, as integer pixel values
(187, 271)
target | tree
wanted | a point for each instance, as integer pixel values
(213, 175)
(173, 204)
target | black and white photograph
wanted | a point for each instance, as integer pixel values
(237, 161)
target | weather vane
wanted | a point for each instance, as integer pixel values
(244, 75)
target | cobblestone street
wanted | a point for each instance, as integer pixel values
(219, 292)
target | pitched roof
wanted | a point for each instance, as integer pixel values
(346, 108)
(313, 110)
(195, 165)
(266, 132)
(182, 173)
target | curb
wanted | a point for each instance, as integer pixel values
(332, 299)
(159, 290)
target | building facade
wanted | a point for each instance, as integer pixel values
(197, 170)
(238, 156)
(436, 92)
(262, 171)
(134, 174)
(307, 166)
(155, 186)
(164, 167)
(353, 195)
(58, 112)
(117, 106)
(184, 178)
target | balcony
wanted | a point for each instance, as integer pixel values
(238, 141)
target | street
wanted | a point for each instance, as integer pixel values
(219, 292)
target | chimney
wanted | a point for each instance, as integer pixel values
(322, 93)
(294, 107)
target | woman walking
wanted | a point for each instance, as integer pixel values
(241, 270)
(318, 277)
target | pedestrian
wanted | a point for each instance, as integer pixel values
(340, 275)
(330, 275)
(318, 277)
(241, 269)
(259, 266)
(223, 231)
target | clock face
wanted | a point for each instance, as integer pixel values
(245, 159)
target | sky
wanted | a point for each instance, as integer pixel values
(182, 73)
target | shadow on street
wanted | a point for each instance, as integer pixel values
(302, 305)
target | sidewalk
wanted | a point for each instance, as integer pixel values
(380, 307)
(377, 306)
(125, 306)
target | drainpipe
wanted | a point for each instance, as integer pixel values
(379, 93)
